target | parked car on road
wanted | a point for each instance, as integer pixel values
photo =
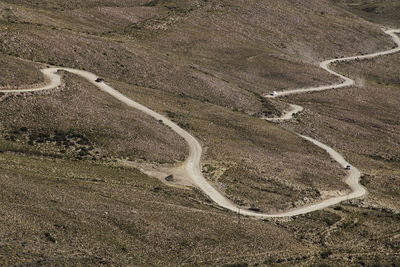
(274, 93)
(99, 80)
(348, 167)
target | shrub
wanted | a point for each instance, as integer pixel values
(326, 253)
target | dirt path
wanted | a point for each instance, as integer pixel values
(192, 163)
(288, 114)
(346, 81)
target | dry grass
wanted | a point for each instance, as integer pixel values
(362, 122)
(386, 12)
(16, 73)
(213, 51)
(265, 165)
(66, 212)
(63, 212)
(204, 64)
(112, 128)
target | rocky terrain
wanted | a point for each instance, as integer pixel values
(68, 200)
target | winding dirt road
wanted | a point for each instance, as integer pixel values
(192, 163)
(346, 81)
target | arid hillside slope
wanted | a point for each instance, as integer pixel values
(67, 200)
(207, 59)
(254, 45)
(385, 12)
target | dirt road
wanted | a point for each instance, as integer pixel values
(346, 81)
(192, 163)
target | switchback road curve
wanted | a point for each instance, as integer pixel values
(192, 163)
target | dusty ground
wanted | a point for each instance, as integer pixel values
(384, 12)
(16, 73)
(63, 212)
(205, 65)
(202, 78)
(254, 156)
(367, 131)
(194, 48)
(108, 126)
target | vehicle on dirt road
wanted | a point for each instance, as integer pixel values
(99, 80)
(348, 167)
(274, 93)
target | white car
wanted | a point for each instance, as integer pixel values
(274, 93)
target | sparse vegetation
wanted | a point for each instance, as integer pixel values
(16, 73)
(386, 12)
(66, 200)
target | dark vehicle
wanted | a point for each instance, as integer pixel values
(99, 80)
(348, 167)
(169, 178)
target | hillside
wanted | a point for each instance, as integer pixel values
(71, 159)
(386, 12)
